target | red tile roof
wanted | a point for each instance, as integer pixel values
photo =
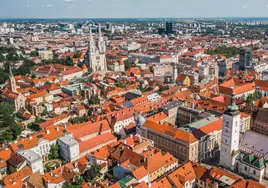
(99, 140)
(17, 176)
(87, 128)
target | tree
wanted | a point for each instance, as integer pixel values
(257, 95)
(249, 99)
(163, 88)
(90, 111)
(2, 58)
(120, 84)
(8, 126)
(94, 99)
(33, 53)
(78, 180)
(224, 50)
(127, 64)
(3, 77)
(54, 152)
(77, 54)
(34, 127)
(79, 119)
(92, 173)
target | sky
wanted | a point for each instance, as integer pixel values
(132, 8)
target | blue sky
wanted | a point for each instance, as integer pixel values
(132, 8)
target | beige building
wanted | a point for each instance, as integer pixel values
(245, 122)
(197, 140)
(163, 70)
(260, 121)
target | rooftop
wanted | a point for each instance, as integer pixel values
(171, 105)
(68, 140)
(29, 155)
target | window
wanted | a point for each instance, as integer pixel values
(254, 172)
(246, 168)
(227, 123)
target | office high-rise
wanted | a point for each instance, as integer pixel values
(245, 59)
(169, 28)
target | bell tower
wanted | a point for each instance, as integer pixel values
(101, 42)
(230, 135)
(12, 81)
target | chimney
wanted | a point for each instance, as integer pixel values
(30, 137)
(57, 128)
(48, 131)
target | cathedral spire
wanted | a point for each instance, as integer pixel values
(100, 36)
(90, 34)
(12, 80)
(10, 72)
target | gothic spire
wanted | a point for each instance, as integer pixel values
(10, 72)
(90, 34)
(100, 31)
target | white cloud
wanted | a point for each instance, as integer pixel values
(68, 1)
(245, 6)
(47, 6)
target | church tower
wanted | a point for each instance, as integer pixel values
(230, 135)
(12, 81)
(91, 50)
(101, 42)
(175, 69)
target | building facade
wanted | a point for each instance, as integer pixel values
(96, 53)
(230, 135)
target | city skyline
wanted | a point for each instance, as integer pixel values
(139, 9)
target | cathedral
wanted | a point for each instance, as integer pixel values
(12, 96)
(96, 53)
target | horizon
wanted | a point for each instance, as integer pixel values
(132, 9)
(137, 18)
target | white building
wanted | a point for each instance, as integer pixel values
(69, 148)
(154, 97)
(117, 67)
(33, 160)
(230, 135)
